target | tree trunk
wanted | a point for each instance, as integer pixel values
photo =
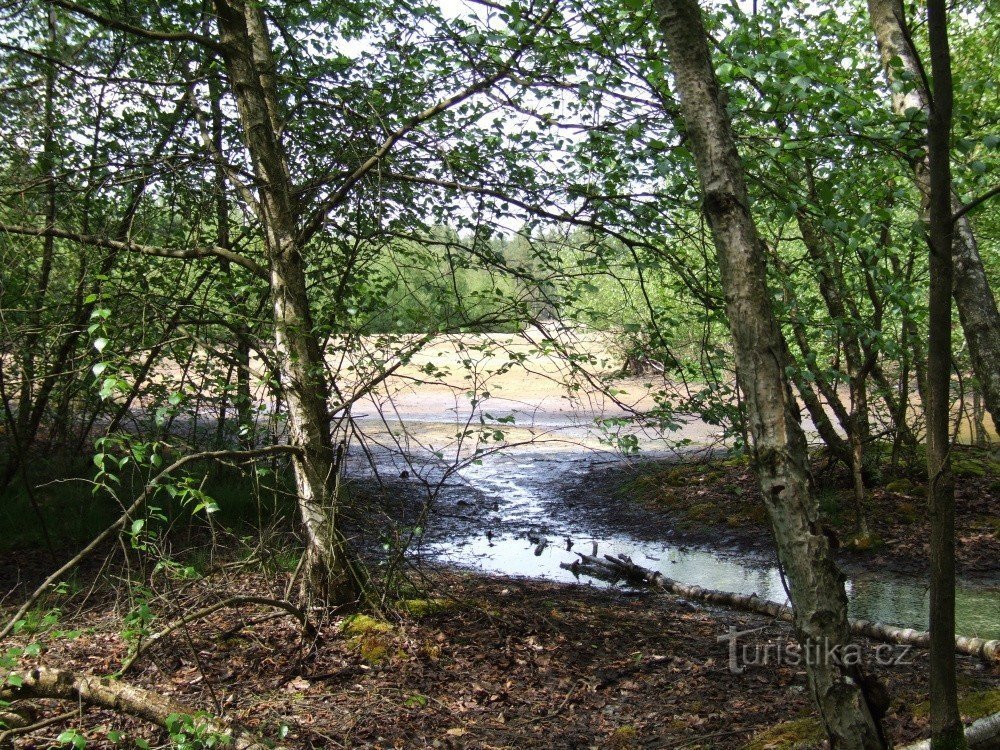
(779, 445)
(856, 425)
(330, 575)
(977, 307)
(946, 722)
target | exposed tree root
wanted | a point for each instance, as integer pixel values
(61, 684)
(622, 568)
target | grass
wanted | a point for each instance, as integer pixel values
(971, 705)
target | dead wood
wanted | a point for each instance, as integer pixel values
(622, 568)
(105, 692)
(982, 734)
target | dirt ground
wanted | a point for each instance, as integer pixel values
(460, 660)
(480, 662)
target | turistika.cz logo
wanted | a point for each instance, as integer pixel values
(776, 652)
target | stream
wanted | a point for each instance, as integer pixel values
(514, 514)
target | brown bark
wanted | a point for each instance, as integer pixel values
(946, 722)
(330, 575)
(779, 446)
(977, 306)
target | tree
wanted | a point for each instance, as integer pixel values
(299, 198)
(946, 722)
(779, 446)
(912, 98)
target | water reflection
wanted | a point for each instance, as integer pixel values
(882, 598)
(532, 529)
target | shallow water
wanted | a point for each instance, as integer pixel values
(513, 514)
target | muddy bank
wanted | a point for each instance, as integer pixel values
(716, 504)
(529, 512)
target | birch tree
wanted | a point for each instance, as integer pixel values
(779, 446)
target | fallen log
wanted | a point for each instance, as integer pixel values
(104, 692)
(621, 568)
(982, 734)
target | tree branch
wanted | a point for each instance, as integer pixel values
(318, 218)
(163, 252)
(992, 192)
(161, 36)
(61, 684)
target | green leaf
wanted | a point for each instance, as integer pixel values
(74, 738)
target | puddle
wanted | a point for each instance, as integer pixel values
(892, 600)
(510, 516)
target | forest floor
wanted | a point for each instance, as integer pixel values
(717, 504)
(479, 662)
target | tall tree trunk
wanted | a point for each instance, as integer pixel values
(329, 570)
(856, 425)
(33, 335)
(977, 307)
(222, 239)
(946, 723)
(779, 445)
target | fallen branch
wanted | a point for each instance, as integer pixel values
(622, 568)
(105, 692)
(233, 601)
(123, 519)
(982, 734)
(20, 728)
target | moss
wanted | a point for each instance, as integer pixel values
(425, 607)
(623, 737)
(972, 462)
(972, 705)
(979, 704)
(357, 625)
(798, 734)
(373, 648)
(701, 511)
(968, 468)
(902, 486)
(908, 512)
